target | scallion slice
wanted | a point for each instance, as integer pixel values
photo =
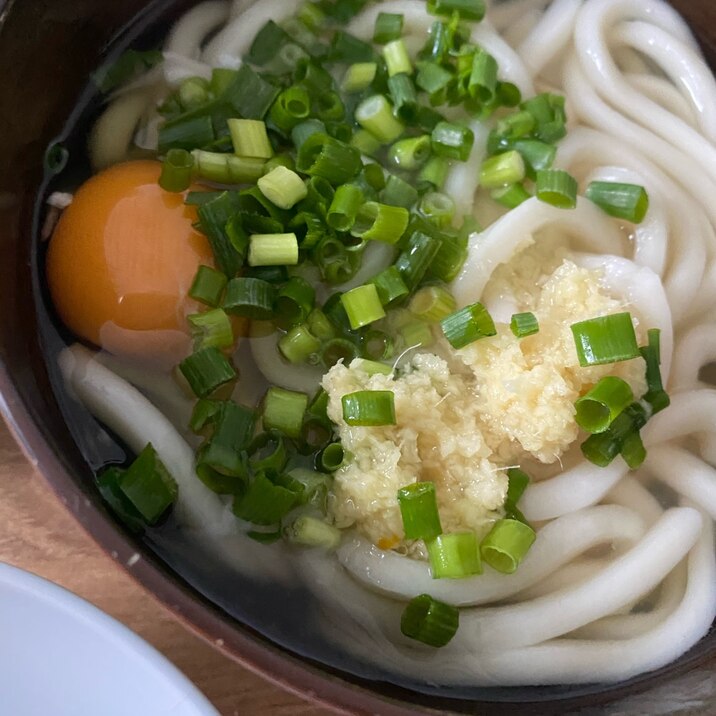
(267, 451)
(283, 410)
(264, 503)
(597, 409)
(502, 170)
(388, 26)
(211, 328)
(380, 222)
(434, 172)
(511, 196)
(332, 457)
(468, 325)
(419, 510)
(432, 303)
(608, 339)
(312, 532)
(656, 396)
(203, 414)
(227, 168)
(206, 370)
(518, 481)
(507, 544)
(148, 485)
(390, 285)
(453, 141)
(291, 107)
(177, 171)
(602, 448)
(362, 305)
(282, 187)
(273, 250)
(624, 201)
(410, 154)
(345, 205)
(404, 97)
(294, 302)
(250, 297)
(299, 345)
(633, 450)
(466, 9)
(454, 555)
(417, 257)
(365, 142)
(358, 77)
(250, 138)
(369, 408)
(438, 208)
(524, 324)
(396, 57)
(328, 158)
(429, 621)
(557, 187)
(398, 192)
(376, 115)
(208, 286)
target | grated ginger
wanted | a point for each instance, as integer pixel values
(464, 416)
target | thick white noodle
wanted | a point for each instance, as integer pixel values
(696, 349)
(630, 493)
(590, 227)
(662, 91)
(190, 31)
(557, 543)
(464, 177)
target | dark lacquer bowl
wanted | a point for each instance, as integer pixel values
(47, 51)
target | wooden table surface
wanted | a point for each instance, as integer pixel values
(38, 534)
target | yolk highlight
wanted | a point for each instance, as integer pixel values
(122, 259)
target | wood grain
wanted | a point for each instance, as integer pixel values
(38, 534)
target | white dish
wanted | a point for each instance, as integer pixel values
(60, 655)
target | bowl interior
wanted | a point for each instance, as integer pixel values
(47, 52)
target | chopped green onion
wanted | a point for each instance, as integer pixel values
(404, 97)
(344, 207)
(299, 344)
(390, 285)
(273, 250)
(313, 532)
(438, 208)
(249, 138)
(656, 396)
(435, 172)
(396, 57)
(362, 305)
(483, 77)
(416, 334)
(602, 448)
(203, 414)
(283, 410)
(208, 286)
(332, 457)
(338, 349)
(211, 328)
(466, 9)
(388, 26)
(432, 303)
(348, 49)
(537, 155)
(433, 78)
(548, 111)
(267, 451)
(374, 176)
(303, 130)
(369, 408)
(410, 154)
(188, 134)
(250, 297)
(468, 325)
(557, 187)
(398, 192)
(294, 302)
(377, 345)
(148, 485)
(454, 555)
(515, 126)
(429, 621)
(291, 107)
(502, 170)
(320, 326)
(624, 201)
(518, 481)
(313, 77)
(365, 142)
(282, 187)
(376, 115)
(177, 170)
(380, 222)
(206, 370)
(597, 409)
(511, 196)
(358, 77)
(417, 256)
(506, 545)
(266, 43)
(328, 158)
(449, 259)
(249, 94)
(372, 367)
(108, 486)
(227, 168)
(452, 141)
(313, 484)
(608, 339)
(311, 15)
(130, 64)
(419, 510)
(263, 502)
(633, 451)
(524, 324)
(329, 107)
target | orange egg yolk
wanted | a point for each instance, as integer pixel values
(121, 261)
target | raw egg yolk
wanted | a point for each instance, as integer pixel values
(121, 261)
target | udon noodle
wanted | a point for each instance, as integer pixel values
(622, 576)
